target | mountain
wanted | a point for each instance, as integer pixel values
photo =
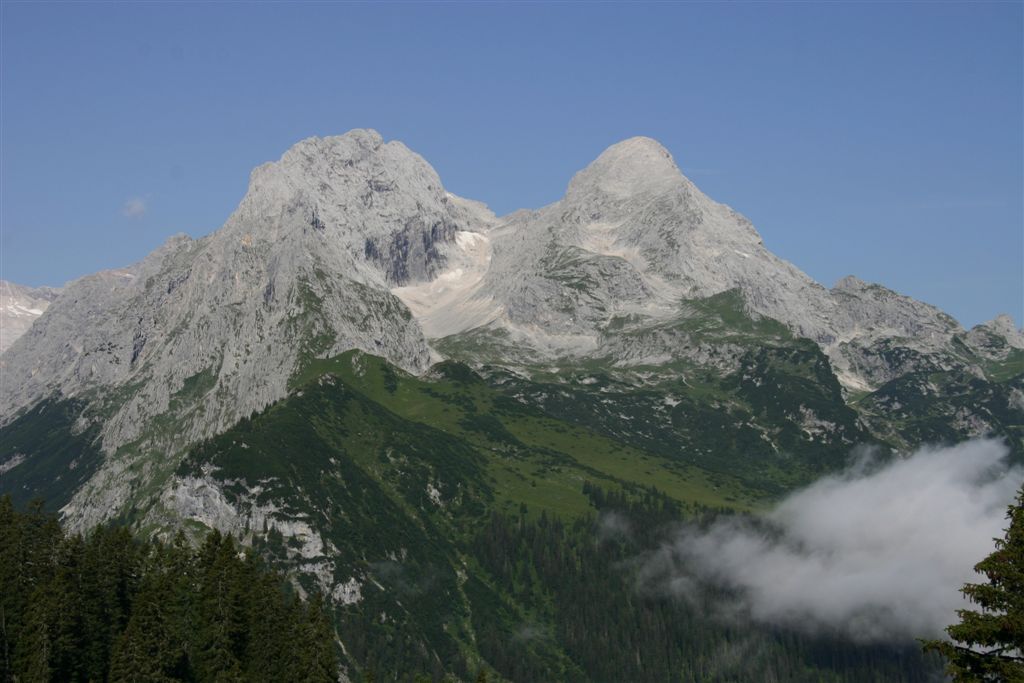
(203, 332)
(349, 242)
(630, 240)
(359, 367)
(19, 307)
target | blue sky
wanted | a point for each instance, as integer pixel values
(884, 140)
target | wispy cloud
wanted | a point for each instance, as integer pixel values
(134, 207)
(877, 553)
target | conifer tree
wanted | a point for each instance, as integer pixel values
(151, 648)
(317, 661)
(29, 548)
(988, 644)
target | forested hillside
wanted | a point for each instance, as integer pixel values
(455, 530)
(577, 607)
(546, 600)
(108, 607)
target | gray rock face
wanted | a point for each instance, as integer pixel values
(19, 308)
(633, 237)
(996, 339)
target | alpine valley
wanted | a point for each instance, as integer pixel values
(428, 413)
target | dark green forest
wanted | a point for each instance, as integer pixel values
(108, 607)
(591, 620)
(549, 600)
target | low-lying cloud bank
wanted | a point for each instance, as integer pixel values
(877, 553)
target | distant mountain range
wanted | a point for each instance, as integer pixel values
(353, 316)
(19, 307)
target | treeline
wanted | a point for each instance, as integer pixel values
(583, 614)
(107, 607)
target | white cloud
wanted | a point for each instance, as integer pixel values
(877, 553)
(134, 207)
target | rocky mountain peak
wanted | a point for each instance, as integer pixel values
(1003, 323)
(1004, 326)
(355, 171)
(634, 166)
(342, 151)
(851, 283)
(355, 197)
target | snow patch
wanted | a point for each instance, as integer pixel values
(447, 304)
